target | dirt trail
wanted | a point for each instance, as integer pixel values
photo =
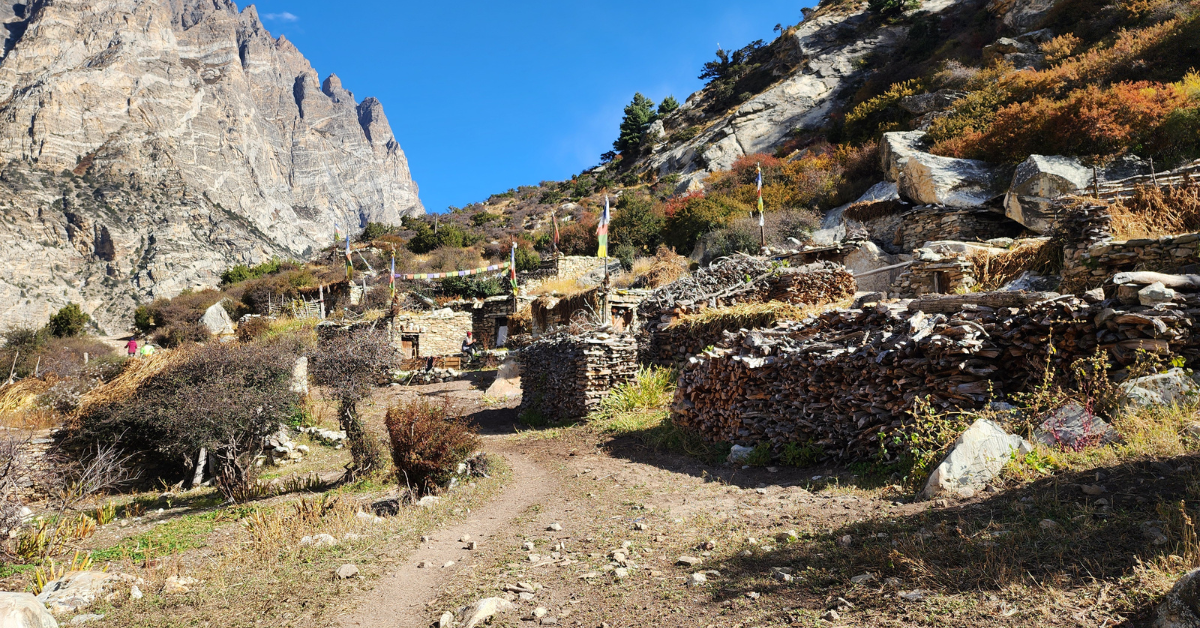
(400, 599)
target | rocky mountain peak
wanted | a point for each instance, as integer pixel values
(183, 138)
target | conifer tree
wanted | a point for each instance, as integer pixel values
(668, 105)
(639, 115)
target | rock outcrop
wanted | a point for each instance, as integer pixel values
(1036, 183)
(929, 179)
(147, 145)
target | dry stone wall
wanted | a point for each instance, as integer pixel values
(564, 377)
(1091, 255)
(846, 379)
(930, 223)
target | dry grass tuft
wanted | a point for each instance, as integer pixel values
(1155, 211)
(561, 286)
(655, 272)
(993, 271)
(750, 316)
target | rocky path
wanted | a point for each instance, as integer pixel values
(401, 598)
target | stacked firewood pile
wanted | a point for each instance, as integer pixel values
(565, 376)
(665, 341)
(724, 282)
(843, 379)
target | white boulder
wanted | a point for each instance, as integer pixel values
(217, 320)
(1036, 183)
(1161, 389)
(866, 257)
(739, 454)
(508, 381)
(76, 590)
(479, 612)
(976, 457)
(935, 180)
(22, 610)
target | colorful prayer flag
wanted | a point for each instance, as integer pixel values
(392, 277)
(761, 221)
(337, 233)
(602, 230)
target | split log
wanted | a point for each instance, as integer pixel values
(955, 302)
(1178, 282)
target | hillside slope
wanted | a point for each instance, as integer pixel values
(151, 144)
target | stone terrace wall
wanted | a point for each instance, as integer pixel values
(930, 223)
(934, 274)
(441, 331)
(1091, 255)
(564, 377)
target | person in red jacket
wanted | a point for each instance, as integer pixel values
(132, 346)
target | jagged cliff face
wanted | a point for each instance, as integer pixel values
(152, 143)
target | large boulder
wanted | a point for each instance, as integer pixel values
(508, 381)
(866, 257)
(1181, 608)
(1036, 183)
(22, 610)
(1160, 389)
(217, 320)
(976, 457)
(935, 180)
(77, 590)
(1021, 15)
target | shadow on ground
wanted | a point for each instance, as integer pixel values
(1050, 539)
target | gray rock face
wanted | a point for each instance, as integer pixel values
(828, 50)
(1074, 427)
(1021, 15)
(1161, 389)
(22, 610)
(76, 591)
(1036, 183)
(147, 145)
(929, 179)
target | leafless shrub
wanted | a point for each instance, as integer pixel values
(428, 440)
(351, 363)
(100, 469)
(12, 462)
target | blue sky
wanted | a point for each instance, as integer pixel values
(486, 96)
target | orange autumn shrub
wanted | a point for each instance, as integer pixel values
(1089, 121)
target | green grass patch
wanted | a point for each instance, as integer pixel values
(177, 535)
(640, 409)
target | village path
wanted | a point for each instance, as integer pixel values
(401, 598)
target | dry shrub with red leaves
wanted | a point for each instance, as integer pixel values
(429, 439)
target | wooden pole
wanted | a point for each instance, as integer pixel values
(1153, 178)
(1096, 181)
(13, 370)
(37, 367)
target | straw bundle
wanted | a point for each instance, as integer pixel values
(125, 385)
(23, 396)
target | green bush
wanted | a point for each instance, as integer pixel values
(797, 455)
(241, 272)
(473, 287)
(69, 321)
(179, 334)
(376, 230)
(447, 234)
(760, 456)
(891, 8)
(638, 222)
(668, 105)
(626, 253)
(527, 259)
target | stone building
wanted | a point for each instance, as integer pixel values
(425, 334)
